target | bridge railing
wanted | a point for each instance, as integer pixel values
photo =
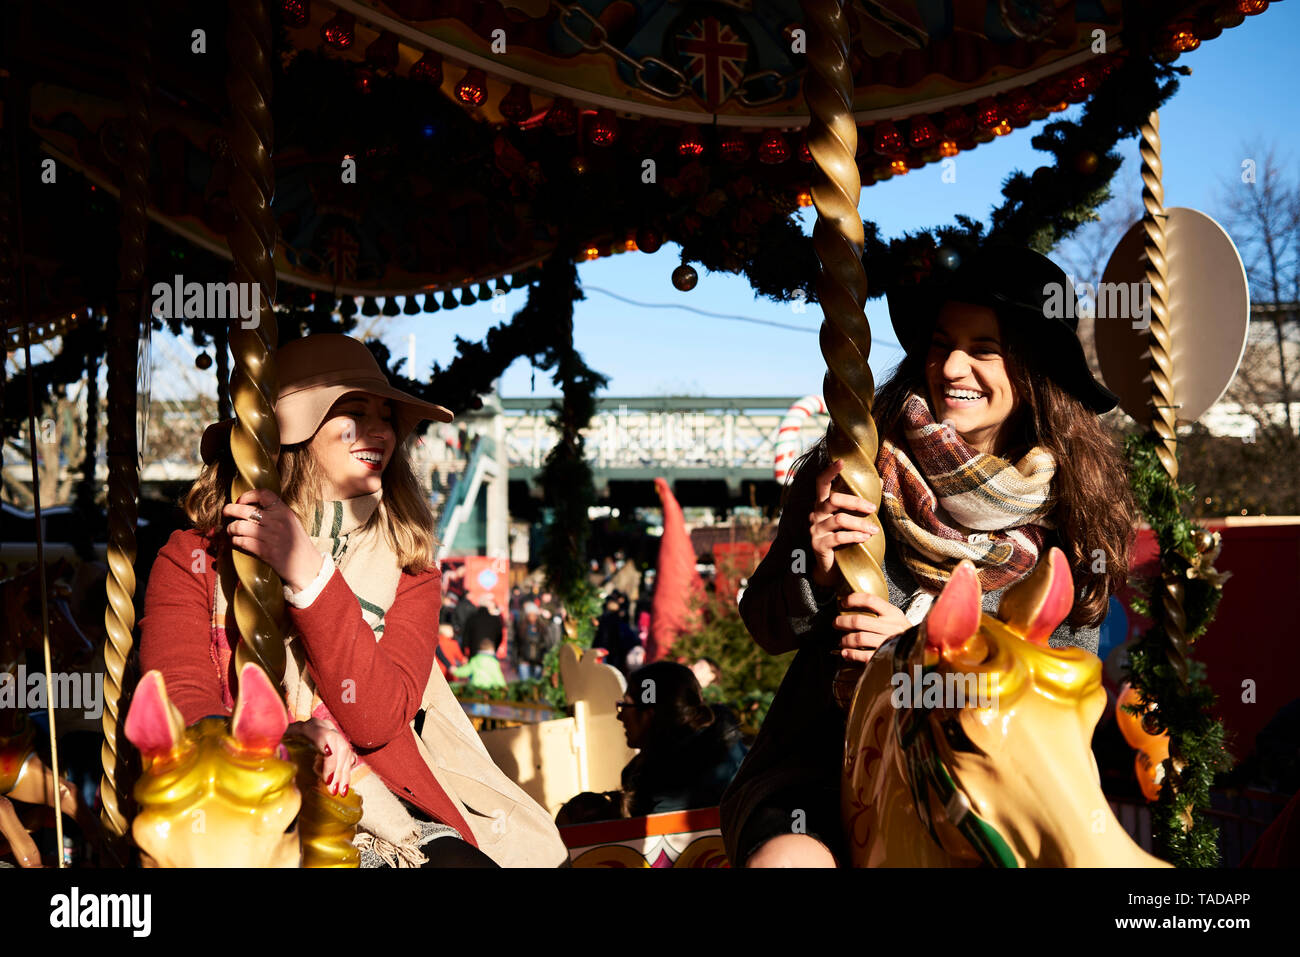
(705, 433)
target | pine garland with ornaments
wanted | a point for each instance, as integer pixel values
(1180, 707)
(1039, 209)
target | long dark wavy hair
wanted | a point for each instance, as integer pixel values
(1095, 514)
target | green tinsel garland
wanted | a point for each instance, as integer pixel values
(1196, 736)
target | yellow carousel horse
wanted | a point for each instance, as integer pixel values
(24, 777)
(227, 792)
(969, 739)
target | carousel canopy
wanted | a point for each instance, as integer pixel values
(428, 146)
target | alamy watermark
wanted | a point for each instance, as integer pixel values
(206, 300)
(1105, 300)
(73, 690)
(77, 910)
(930, 689)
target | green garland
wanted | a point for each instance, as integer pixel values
(1184, 711)
(582, 606)
(750, 676)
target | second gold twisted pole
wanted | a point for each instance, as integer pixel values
(848, 387)
(1164, 399)
(255, 439)
(123, 455)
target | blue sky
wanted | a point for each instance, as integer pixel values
(1241, 91)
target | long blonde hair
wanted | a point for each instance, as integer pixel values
(404, 514)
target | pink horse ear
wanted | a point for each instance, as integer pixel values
(1035, 605)
(260, 719)
(955, 615)
(153, 724)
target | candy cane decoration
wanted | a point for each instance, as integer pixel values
(787, 435)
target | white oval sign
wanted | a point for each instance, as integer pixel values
(1209, 310)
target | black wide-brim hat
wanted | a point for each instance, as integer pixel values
(1024, 288)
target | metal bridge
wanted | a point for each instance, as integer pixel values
(714, 451)
(638, 439)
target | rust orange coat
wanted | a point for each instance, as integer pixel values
(388, 676)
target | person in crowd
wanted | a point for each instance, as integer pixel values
(991, 450)
(627, 578)
(446, 615)
(350, 537)
(448, 653)
(465, 609)
(589, 807)
(483, 670)
(623, 605)
(689, 752)
(485, 622)
(533, 639)
(614, 634)
(642, 627)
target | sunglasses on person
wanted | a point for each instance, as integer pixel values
(621, 706)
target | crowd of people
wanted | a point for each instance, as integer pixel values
(687, 750)
(487, 645)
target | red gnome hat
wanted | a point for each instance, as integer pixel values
(676, 580)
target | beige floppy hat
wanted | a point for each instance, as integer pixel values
(315, 372)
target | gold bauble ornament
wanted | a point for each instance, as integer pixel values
(1203, 539)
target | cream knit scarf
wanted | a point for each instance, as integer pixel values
(370, 568)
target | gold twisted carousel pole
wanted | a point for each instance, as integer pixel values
(849, 388)
(255, 439)
(123, 453)
(17, 90)
(1164, 402)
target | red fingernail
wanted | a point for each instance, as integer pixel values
(345, 790)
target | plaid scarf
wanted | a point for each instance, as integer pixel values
(944, 501)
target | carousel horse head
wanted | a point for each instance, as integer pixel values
(969, 739)
(227, 792)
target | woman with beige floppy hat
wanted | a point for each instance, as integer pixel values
(351, 537)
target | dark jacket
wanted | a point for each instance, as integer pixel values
(482, 624)
(533, 639)
(799, 750)
(460, 616)
(691, 772)
(616, 636)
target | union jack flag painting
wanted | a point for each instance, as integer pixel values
(342, 254)
(713, 54)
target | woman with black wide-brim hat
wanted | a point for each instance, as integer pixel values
(991, 450)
